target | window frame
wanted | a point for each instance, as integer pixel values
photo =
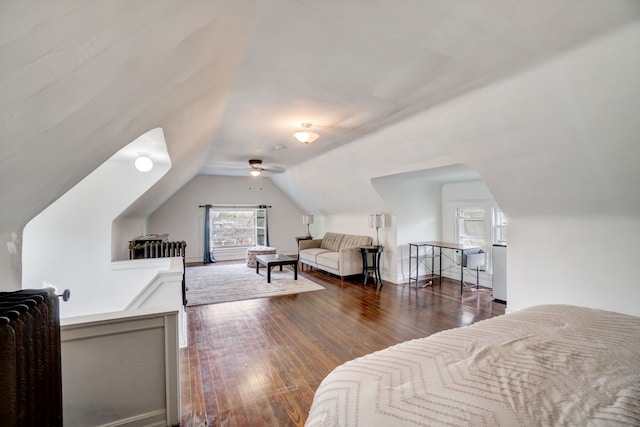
(463, 238)
(492, 213)
(257, 230)
(500, 222)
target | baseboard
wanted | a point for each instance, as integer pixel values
(152, 419)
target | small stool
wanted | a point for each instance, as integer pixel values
(258, 250)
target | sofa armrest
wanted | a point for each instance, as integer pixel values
(306, 244)
(350, 261)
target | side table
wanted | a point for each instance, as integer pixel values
(374, 266)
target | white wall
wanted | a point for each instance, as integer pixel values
(557, 140)
(10, 266)
(68, 245)
(183, 219)
(587, 260)
(415, 204)
(122, 231)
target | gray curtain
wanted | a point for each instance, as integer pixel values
(208, 250)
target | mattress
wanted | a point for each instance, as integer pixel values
(546, 365)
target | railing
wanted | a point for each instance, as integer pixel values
(156, 249)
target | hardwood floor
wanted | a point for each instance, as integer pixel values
(259, 362)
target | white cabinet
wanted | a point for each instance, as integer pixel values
(262, 239)
(499, 256)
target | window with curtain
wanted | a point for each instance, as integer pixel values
(237, 228)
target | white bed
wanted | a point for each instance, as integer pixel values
(543, 366)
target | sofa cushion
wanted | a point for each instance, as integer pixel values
(331, 241)
(329, 260)
(352, 241)
(310, 254)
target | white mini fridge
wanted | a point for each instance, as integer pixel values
(499, 257)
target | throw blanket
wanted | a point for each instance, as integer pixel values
(546, 365)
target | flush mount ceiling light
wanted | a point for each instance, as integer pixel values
(143, 163)
(306, 136)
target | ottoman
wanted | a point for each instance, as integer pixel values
(258, 250)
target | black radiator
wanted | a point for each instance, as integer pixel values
(30, 368)
(156, 249)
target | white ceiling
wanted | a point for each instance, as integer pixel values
(229, 81)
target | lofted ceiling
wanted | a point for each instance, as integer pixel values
(229, 81)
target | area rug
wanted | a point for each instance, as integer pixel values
(235, 282)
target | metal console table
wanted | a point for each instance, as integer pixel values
(429, 248)
(420, 253)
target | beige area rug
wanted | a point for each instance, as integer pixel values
(235, 282)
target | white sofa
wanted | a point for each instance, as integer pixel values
(335, 253)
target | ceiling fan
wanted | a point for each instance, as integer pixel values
(256, 168)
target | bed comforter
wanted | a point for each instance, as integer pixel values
(546, 365)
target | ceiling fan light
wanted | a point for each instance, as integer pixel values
(143, 163)
(306, 136)
(255, 172)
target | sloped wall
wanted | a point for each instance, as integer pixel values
(556, 141)
(68, 245)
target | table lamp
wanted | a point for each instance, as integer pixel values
(307, 220)
(378, 221)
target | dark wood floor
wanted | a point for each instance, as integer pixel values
(259, 362)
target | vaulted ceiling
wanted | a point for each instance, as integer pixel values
(231, 80)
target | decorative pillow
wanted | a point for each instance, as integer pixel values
(331, 241)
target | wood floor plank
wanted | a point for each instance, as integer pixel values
(259, 362)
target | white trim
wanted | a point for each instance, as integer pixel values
(160, 279)
(229, 254)
(115, 317)
(110, 327)
(172, 373)
(106, 324)
(133, 264)
(150, 419)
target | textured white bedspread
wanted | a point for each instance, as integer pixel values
(543, 366)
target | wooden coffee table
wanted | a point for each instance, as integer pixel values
(270, 261)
